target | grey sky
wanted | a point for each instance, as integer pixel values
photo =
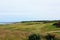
(19, 10)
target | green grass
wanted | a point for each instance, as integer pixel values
(21, 31)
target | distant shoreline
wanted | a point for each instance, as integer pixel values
(29, 21)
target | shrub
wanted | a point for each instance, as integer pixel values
(50, 37)
(57, 24)
(34, 37)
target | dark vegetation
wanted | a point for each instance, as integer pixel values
(46, 21)
(50, 37)
(38, 37)
(46, 37)
(57, 24)
(34, 37)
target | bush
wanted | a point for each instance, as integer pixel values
(57, 24)
(50, 37)
(34, 37)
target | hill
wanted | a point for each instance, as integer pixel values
(21, 30)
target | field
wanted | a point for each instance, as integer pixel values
(21, 30)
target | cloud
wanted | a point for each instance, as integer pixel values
(18, 10)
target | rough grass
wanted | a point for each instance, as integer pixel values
(21, 31)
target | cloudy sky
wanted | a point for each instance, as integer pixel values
(22, 10)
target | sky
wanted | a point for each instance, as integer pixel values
(26, 10)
